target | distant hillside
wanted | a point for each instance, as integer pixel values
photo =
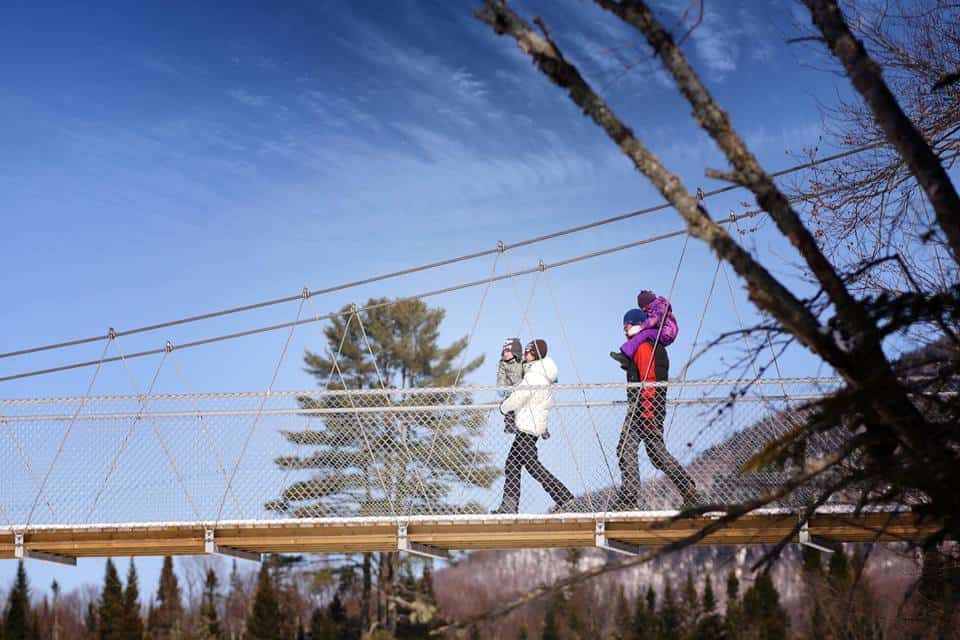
(487, 578)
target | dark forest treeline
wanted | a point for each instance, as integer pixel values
(288, 600)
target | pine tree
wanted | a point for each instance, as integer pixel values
(838, 570)
(711, 625)
(110, 614)
(551, 628)
(264, 619)
(690, 610)
(709, 599)
(16, 624)
(734, 618)
(810, 560)
(669, 614)
(622, 622)
(338, 614)
(132, 622)
(322, 626)
(646, 623)
(404, 340)
(208, 608)
(90, 620)
(763, 617)
(166, 619)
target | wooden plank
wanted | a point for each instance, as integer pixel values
(493, 533)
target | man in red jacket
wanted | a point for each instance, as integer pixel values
(646, 411)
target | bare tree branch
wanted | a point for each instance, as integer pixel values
(946, 80)
(866, 77)
(765, 290)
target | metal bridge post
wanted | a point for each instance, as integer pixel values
(805, 539)
(404, 543)
(211, 547)
(603, 542)
(21, 552)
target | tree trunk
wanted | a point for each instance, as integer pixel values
(389, 592)
(365, 596)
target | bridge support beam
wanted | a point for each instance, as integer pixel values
(815, 542)
(603, 542)
(210, 546)
(20, 551)
(404, 543)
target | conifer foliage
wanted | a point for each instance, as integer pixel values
(264, 618)
(210, 620)
(132, 621)
(16, 622)
(111, 614)
(165, 621)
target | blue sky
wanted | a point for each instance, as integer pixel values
(169, 159)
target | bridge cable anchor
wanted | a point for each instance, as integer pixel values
(404, 543)
(21, 552)
(814, 542)
(601, 541)
(211, 547)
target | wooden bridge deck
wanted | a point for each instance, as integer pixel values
(331, 535)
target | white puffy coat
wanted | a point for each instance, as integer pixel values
(531, 406)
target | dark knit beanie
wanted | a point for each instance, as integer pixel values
(513, 346)
(645, 297)
(634, 317)
(538, 348)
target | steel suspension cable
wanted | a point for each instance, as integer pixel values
(563, 424)
(435, 292)
(576, 371)
(693, 345)
(306, 429)
(387, 496)
(156, 432)
(221, 468)
(263, 401)
(476, 320)
(25, 460)
(144, 402)
(73, 420)
(430, 265)
(387, 397)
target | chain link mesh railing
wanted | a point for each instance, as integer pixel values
(260, 456)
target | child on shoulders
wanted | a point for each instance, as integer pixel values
(659, 326)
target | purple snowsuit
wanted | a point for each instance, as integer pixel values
(656, 311)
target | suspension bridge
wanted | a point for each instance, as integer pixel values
(340, 469)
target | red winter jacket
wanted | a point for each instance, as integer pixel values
(652, 365)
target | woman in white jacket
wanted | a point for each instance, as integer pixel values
(531, 406)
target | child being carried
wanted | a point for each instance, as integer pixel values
(659, 327)
(509, 374)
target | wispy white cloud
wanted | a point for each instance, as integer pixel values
(717, 43)
(156, 64)
(247, 98)
(468, 85)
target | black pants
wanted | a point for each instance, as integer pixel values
(639, 426)
(522, 454)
